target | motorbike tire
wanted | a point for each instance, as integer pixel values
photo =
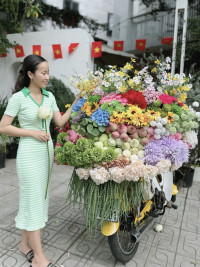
(118, 252)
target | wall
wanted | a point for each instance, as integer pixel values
(77, 62)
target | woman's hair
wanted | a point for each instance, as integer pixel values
(30, 63)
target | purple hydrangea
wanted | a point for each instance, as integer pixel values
(166, 148)
(101, 117)
(79, 104)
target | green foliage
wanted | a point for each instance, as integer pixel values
(107, 200)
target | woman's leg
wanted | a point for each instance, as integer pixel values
(24, 246)
(39, 259)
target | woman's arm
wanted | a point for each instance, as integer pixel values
(61, 120)
(7, 129)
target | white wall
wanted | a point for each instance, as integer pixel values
(77, 62)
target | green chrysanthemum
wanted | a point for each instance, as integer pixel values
(109, 155)
(61, 137)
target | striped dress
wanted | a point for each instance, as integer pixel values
(32, 159)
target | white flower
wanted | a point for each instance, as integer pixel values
(106, 84)
(163, 165)
(83, 173)
(167, 67)
(99, 176)
(176, 83)
(189, 86)
(44, 112)
(191, 138)
(195, 104)
(168, 59)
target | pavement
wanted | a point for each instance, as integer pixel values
(65, 240)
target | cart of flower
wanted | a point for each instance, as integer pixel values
(128, 125)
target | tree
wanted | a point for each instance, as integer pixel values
(18, 15)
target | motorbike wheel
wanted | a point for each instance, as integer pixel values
(122, 246)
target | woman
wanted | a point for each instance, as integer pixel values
(32, 156)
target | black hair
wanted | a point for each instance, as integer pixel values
(30, 63)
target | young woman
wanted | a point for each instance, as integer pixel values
(32, 156)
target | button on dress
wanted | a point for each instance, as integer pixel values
(32, 159)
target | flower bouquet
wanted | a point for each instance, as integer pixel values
(127, 127)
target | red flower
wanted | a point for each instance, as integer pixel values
(135, 98)
(167, 99)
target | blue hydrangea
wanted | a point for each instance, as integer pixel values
(101, 117)
(79, 104)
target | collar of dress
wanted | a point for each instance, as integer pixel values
(25, 91)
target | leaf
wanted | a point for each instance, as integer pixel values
(89, 128)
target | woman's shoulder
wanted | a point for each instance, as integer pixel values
(17, 95)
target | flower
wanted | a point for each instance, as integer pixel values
(191, 138)
(83, 173)
(135, 98)
(99, 175)
(79, 104)
(167, 99)
(101, 117)
(44, 112)
(166, 148)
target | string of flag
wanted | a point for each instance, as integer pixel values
(96, 50)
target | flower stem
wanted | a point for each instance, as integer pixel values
(48, 161)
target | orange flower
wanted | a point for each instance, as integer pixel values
(169, 117)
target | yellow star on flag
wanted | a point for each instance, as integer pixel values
(118, 45)
(57, 52)
(97, 49)
(140, 44)
(36, 52)
(18, 50)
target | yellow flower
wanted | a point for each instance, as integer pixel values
(68, 105)
(121, 73)
(132, 111)
(136, 71)
(185, 107)
(133, 60)
(157, 61)
(185, 88)
(89, 109)
(169, 117)
(131, 83)
(173, 92)
(128, 66)
(152, 115)
(154, 69)
(182, 97)
(123, 89)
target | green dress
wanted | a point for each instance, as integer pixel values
(32, 159)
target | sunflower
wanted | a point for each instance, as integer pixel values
(169, 117)
(152, 115)
(132, 110)
(136, 119)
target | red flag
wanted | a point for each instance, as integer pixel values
(37, 50)
(140, 44)
(19, 51)
(167, 40)
(3, 55)
(72, 47)
(57, 51)
(96, 49)
(119, 45)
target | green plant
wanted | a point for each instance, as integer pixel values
(63, 96)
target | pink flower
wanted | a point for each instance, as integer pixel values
(112, 96)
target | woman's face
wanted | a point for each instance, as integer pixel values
(41, 76)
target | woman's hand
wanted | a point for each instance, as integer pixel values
(41, 136)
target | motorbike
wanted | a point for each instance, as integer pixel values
(124, 233)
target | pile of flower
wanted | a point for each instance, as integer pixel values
(128, 125)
